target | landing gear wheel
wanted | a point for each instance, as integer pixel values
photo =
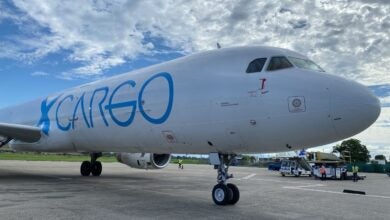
(235, 194)
(97, 168)
(85, 168)
(221, 194)
(93, 166)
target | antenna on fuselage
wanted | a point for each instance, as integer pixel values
(219, 46)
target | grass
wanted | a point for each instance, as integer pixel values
(191, 161)
(51, 157)
(28, 156)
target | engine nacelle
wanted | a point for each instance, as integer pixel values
(144, 160)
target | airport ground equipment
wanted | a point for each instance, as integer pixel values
(295, 166)
(334, 170)
(334, 166)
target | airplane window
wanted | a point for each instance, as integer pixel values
(278, 63)
(256, 65)
(305, 64)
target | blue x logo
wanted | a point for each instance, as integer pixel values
(44, 122)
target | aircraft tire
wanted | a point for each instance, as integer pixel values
(235, 194)
(221, 194)
(85, 168)
(96, 168)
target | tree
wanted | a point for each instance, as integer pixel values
(355, 149)
(253, 159)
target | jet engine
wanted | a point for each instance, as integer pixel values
(144, 160)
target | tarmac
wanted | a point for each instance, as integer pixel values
(55, 190)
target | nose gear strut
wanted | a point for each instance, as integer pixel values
(225, 194)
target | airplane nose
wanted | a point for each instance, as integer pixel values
(354, 108)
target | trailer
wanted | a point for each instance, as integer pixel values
(334, 170)
(339, 173)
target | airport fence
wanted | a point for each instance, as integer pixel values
(371, 168)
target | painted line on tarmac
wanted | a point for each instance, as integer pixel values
(314, 185)
(249, 176)
(280, 181)
(334, 192)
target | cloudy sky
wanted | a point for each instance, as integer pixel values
(46, 46)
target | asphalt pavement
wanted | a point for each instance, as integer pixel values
(55, 190)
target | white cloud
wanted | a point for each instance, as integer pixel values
(40, 73)
(385, 101)
(348, 38)
(378, 134)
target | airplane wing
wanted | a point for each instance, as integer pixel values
(23, 133)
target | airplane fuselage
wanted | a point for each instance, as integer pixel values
(200, 104)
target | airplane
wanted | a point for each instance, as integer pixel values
(224, 102)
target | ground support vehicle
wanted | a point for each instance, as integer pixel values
(295, 166)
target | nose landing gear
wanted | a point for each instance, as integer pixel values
(225, 194)
(95, 167)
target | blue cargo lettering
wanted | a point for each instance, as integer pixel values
(105, 90)
(44, 121)
(165, 116)
(80, 103)
(110, 107)
(100, 105)
(61, 127)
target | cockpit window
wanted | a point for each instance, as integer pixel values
(278, 63)
(256, 65)
(305, 64)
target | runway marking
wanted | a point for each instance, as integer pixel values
(333, 192)
(279, 181)
(249, 176)
(314, 185)
(175, 194)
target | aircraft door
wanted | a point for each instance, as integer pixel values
(256, 108)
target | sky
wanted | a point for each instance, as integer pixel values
(47, 46)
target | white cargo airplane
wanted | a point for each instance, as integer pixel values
(222, 103)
